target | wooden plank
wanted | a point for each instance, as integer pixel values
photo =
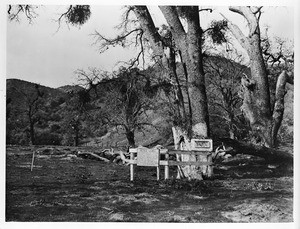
(193, 152)
(31, 168)
(165, 163)
(147, 157)
(202, 144)
(164, 151)
(167, 167)
(133, 150)
(131, 167)
(197, 163)
(171, 163)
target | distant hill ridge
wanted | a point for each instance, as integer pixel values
(19, 82)
(69, 88)
(16, 88)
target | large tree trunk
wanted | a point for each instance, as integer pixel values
(182, 141)
(279, 105)
(255, 88)
(130, 138)
(188, 45)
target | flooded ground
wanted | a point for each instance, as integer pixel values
(63, 187)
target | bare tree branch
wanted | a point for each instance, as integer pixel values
(256, 9)
(237, 33)
(63, 15)
(14, 12)
(172, 18)
(248, 15)
(206, 9)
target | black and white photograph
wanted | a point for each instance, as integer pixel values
(149, 113)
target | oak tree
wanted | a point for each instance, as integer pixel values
(264, 118)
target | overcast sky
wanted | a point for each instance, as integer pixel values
(39, 53)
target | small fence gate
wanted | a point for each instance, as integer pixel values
(143, 156)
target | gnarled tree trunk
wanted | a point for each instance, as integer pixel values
(183, 142)
(130, 137)
(188, 44)
(255, 88)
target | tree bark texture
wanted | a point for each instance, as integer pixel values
(188, 44)
(182, 142)
(255, 89)
(130, 138)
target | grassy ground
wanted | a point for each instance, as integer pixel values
(63, 187)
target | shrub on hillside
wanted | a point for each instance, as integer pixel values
(48, 138)
(17, 138)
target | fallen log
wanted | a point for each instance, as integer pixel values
(270, 155)
(92, 155)
(107, 153)
(123, 157)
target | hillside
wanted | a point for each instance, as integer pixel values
(16, 91)
(32, 110)
(56, 114)
(70, 88)
(57, 117)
